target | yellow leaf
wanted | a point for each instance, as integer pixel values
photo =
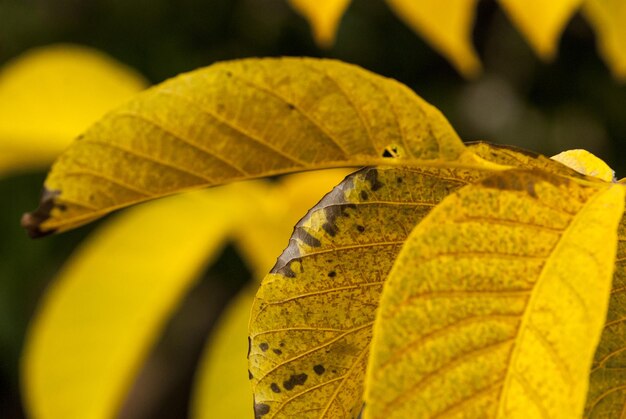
(511, 156)
(106, 308)
(586, 163)
(221, 388)
(239, 120)
(541, 22)
(312, 319)
(496, 302)
(263, 235)
(51, 94)
(607, 19)
(607, 396)
(324, 17)
(446, 25)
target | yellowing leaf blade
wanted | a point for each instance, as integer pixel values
(221, 388)
(522, 262)
(106, 308)
(446, 25)
(607, 382)
(240, 120)
(607, 19)
(312, 318)
(324, 17)
(541, 22)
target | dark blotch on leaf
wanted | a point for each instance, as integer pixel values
(290, 106)
(260, 409)
(360, 228)
(372, 177)
(319, 369)
(330, 229)
(332, 274)
(32, 221)
(264, 346)
(306, 238)
(249, 346)
(275, 388)
(250, 376)
(277, 351)
(387, 153)
(282, 344)
(364, 196)
(295, 380)
(398, 180)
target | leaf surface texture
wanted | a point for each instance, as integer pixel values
(497, 301)
(311, 323)
(240, 120)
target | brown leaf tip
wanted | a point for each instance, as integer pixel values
(32, 221)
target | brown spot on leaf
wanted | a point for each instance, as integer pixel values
(332, 274)
(264, 346)
(371, 176)
(398, 180)
(295, 380)
(260, 409)
(319, 369)
(360, 228)
(277, 351)
(275, 388)
(330, 229)
(306, 237)
(250, 376)
(32, 221)
(364, 196)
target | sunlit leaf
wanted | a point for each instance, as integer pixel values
(106, 308)
(324, 17)
(523, 262)
(541, 22)
(446, 25)
(607, 19)
(586, 163)
(239, 120)
(221, 388)
(312, 319)
(607, 383)
(51, 94)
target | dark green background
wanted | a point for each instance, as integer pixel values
(570, 103)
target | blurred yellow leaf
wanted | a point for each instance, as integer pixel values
(523, 263)
(239, 120)
(222, 388)
(49, 95)
(324, 17)
(446, 25)
(541, 22)
(586, 163)
(106, 308)
(311, 322)
(607, 18)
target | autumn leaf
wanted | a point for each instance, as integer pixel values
(311, 323)
(106, 308)
(240, 120)
(447, 26)
(115, 269)
(607, 19)
(49, 95)
(541, 22)
(523, 265)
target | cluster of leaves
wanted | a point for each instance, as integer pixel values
(447, 279)
(447, 26)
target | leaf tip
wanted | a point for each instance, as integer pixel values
(32, 221)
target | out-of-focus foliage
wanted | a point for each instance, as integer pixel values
(50, 95)
(447, 25)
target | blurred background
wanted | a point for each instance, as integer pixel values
(572, 102)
